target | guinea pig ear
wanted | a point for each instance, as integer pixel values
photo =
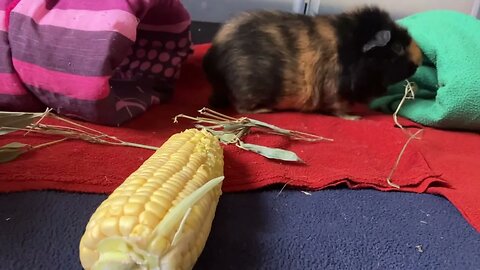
(380, 39)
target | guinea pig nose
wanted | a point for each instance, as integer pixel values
(412, 68)
(414, 53)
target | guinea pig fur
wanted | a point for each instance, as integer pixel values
(263, 61)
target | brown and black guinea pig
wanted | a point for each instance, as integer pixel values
(263, 61)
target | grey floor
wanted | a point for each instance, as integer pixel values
(330, 229)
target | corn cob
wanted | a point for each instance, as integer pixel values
(161, 215)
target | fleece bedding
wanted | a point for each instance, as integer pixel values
(448, 81)
(102, 61)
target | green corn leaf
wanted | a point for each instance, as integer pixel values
(13, 150)
(271, 153)
(16, 120)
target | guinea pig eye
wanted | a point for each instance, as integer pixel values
(397, 48)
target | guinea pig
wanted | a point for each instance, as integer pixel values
(262, 61)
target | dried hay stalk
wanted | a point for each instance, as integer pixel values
(231, 131)
(409, 94)
(32, 122)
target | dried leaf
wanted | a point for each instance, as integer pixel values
(290, 133)
(30, 114)
(16, 120)
(31, 122)
(242, 126)
(228, 138)
(271, 153)
(270, 126)
(233, 126)
(13, 150)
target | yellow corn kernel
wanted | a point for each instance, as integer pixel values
(161, 215)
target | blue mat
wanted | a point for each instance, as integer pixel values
(330, 229)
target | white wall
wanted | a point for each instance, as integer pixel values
(220, 10)
(398, 8)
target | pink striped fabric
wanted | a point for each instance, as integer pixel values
(69, 85)
(3, 27)
(172, 28)
(13, 93)
(101, 61)
(119, 21)
(12, 85)
(132, 6)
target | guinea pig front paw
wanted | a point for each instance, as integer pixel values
(255, 111)
(348, 116)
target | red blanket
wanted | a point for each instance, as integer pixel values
(362, 155)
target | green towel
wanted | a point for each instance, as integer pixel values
(448, 81)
